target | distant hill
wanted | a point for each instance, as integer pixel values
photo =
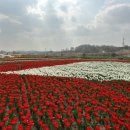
(99, 49)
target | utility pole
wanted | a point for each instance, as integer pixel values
(123, 42)
(45, 51)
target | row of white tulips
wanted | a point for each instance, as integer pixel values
(91, 70)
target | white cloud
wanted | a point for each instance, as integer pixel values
(69, 11)
(115, 2)
(9, 19)
(115, 14)
(65, 9)
(38, 9)
(14, 21)
(2, 16)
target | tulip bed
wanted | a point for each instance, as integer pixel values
(33, 102)
(13, 66)
(91, 70)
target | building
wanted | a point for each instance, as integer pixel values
(6, 56)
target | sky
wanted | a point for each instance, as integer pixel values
(58, 24)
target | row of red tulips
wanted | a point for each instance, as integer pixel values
(13, 66)
(55, 103)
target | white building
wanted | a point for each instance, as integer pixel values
(4, 55)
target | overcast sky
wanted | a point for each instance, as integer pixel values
(58, 24)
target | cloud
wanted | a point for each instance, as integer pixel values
(2, 16)
(38, 9)
(110, 24)
(115, 2)
(34, 32)
(9, 19)
(57, 24)
(15, 7)
(113, 20)
(115, 14)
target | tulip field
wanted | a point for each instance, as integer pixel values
(65, 95)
